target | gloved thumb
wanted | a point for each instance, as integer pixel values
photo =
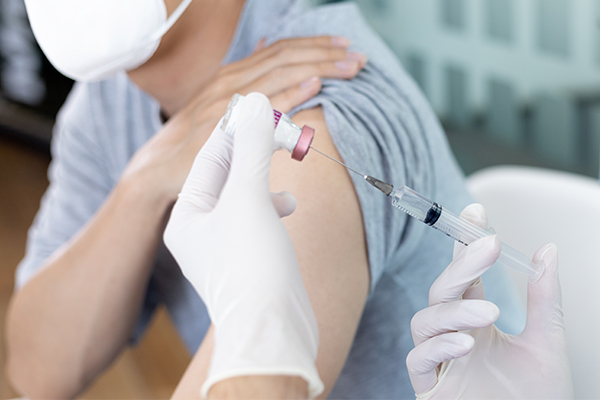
(475, 214)
(253, 142)
(544, 300)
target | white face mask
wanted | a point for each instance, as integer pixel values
(89, 40)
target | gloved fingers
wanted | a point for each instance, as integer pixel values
(544, 300)
(202, 187)
(465, 270)
(253, 141)
(423, 360)
(475, 291)
(459, 315)
(209, 172)
(284, 202)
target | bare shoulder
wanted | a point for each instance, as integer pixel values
(329, 237)
(328, 206)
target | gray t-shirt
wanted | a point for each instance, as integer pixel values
(380, 124)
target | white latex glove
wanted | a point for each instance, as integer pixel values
(478, 361)
(227, 237)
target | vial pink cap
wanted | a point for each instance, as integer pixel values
(306, 137)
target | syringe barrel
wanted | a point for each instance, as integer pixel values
(466, 233)
(460, 229)
(287, 135)
(411, 203)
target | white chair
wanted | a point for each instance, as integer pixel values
(529, 207)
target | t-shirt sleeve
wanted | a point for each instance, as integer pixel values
(80, 182)
(79, 185)
(376, 122)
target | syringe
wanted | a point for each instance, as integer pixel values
(461, 230)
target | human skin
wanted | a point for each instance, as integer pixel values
(72, 319)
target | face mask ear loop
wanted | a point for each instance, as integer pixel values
(171, 20)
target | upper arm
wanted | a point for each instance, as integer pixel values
(329, 238)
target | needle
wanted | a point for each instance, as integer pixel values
(339, 162)
(386, 188)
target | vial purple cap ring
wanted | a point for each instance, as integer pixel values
(306, 137)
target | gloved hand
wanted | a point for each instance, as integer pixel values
(478, 361)
(226, 235)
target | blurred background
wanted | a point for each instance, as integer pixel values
(513, 81)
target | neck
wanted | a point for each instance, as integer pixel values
(189, 54)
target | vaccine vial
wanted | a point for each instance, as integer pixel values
(288, 135)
